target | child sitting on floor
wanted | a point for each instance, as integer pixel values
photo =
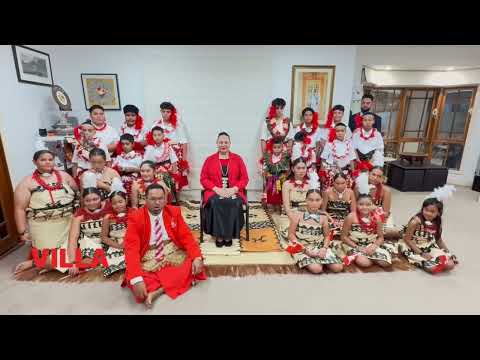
(422, 242)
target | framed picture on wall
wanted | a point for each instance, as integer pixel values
(33, 66)
(101, 89)
(312, 86)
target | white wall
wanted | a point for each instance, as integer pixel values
(214, 87)
(229, 88)
(24, 109)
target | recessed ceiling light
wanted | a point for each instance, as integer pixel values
(388, 67)
(450, 68)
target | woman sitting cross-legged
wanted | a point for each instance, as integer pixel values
(224, 178)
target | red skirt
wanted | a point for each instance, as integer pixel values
(175, 280)
(274, 196)
(183, 168)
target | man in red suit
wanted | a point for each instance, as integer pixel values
(161, 253)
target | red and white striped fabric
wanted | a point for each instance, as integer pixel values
(159, 239)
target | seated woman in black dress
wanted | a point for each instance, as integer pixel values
(224, 178)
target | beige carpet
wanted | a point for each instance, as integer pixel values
(397, 292)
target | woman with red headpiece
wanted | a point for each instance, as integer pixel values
(134, 125)
(276, 126)
(176, 137)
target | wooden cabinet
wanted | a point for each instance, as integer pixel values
(8, 231)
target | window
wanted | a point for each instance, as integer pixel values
(410, 124)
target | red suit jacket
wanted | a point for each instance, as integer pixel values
(137, 237)
(211, 175)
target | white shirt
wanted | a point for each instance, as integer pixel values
(108, 135)
(132, 159)
(342, 148)
(138, 135)
(154, 153)
(176, 135)
(365, 146)
(265, 135)
(82, 161)
(153, 239)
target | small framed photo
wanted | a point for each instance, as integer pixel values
(101, 89)
(312, 86)
(33, 66)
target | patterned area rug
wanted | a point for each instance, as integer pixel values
(261, 255)
(263, 235)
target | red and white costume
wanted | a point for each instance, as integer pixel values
(312, 133)
(161, 154)
(81, 154)
(131, 160)
(273, 128)
(307, 153)
(337, 156)
(159, 250)
(176, 137)
(107, 134)
(369, 147)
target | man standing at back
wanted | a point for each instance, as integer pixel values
(356, 119)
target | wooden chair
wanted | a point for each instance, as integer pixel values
(246, 212)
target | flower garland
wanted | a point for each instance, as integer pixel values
(358, 118)
(121, 218)
(143, 186)
(369, 227)
(37, 176)
(272, 125)
(299, 183)
(100, 128)
(347, 151)
(371, 136)
(84, 152)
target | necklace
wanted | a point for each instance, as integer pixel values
(37, 176)
(299, 183)
(340, 194)
(101, 128)
(372, 134)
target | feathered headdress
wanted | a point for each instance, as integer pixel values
(296, 151)
(117, 186)
(362, 184)
(313, 181)
(442, 193)
(89, 180)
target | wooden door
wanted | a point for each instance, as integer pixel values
(8, 231)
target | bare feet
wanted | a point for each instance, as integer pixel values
(151, 297)
(24, 265)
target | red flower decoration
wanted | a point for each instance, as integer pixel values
(272, 112)
(358, 120)
(329, 122)
(76, 133)
(293, 249)
(138, 122)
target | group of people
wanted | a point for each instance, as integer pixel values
(326, 181)
(328, 185)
